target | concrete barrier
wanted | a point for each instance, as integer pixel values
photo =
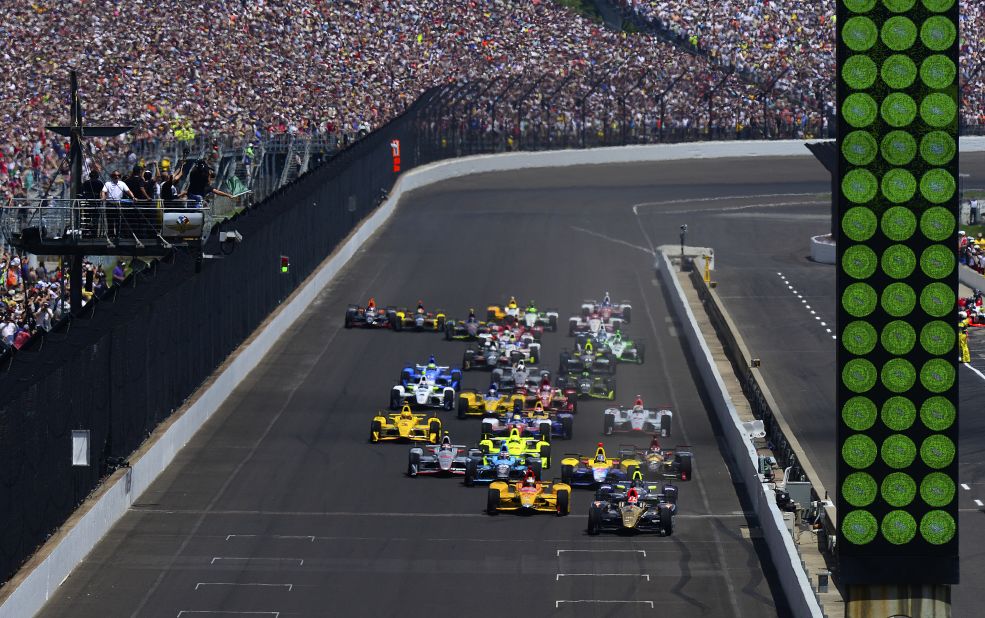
(27, 592)
(786, 561)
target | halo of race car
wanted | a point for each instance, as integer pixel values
(527, 409)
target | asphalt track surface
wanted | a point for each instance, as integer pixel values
(280, 506)
(784, 306)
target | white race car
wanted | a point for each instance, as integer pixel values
(423, 394)
(637, 419)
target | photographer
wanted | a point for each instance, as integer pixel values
(200, 184)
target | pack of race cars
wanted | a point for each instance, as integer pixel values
(526, 410)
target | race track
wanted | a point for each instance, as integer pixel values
(280, 507)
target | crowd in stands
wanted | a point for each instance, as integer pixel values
(791, 42)
(971, 251)
(254, 68)
(35, 298)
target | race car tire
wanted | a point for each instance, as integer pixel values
(545, 455)
(463, 407)
(397, 323)
(572, 324)
(585, 312)
(567, 474)
(608, 424)
(537, 468)
(563, 502)
(434, 431)
(456, 379)
(448, 402)
(440, 323)
(348, 319)
(640, 353)
(594, 520)
(487, 428)
(449, 332)
(471, 469)
(466, 364)
(375, 430)
(666, 522)
(414, 464)
(685, 468)
(492, 501)
(406, 376)
(665, 426)
(567, 428)
(627, 314)
(490, 316)
(545, 431)
(396, 400)
(552, 323)
(518, 405)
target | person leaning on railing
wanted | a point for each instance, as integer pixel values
(114, 191)
(200, 184)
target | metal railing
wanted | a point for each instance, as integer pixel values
(107, 220)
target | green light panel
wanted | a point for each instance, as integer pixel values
(896, 282)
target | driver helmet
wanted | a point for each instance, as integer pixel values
(512, 303)
(606, 301)
(963, 314)
(472, 313)
(520, 366)
(432, 364)
(529, 478)
(405, 412)
(420, 306)
(655, 443)
(531, 305)
(504, 451)
(493, 390)
(371, 304)
(632, 496)
(617, 336)
(600, 454)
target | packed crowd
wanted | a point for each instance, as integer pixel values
(36, 296)
(971, 251)
(257, 67)
(791, 42)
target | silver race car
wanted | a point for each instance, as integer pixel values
(444, 459)
(637, 419)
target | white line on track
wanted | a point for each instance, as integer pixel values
(601, 551)
(978, 503)
(300, 561)
(978, 373)
(289, 587)
(611, 239)
(557, 604)
(965, 487)
(272, 536)
(807, 306)
(226, 613)
(558, 576)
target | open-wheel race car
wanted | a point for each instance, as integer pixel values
(423, 394)
(617, 345)
(635, 506)
(529, 495)
(493, 353)
(608, 310)
(438, 375)
(490, 403)
(593, 325)
(405, 426)
(370, 316)
(536, 422)
(638, 419)
(587, 358)
(592, 471)
(418, 319)
(658, 463)
(588, 385)
(469, 329)
(521, 378)
(442, 459)
(517, 444)
(500, 466)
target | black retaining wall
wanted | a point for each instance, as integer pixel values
(144, 350)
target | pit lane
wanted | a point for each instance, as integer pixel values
(280, 507)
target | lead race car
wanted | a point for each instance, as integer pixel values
(443, 459)
(405, 426)
(418, 319)
(438, 375)
(607, 310)
(636, 506)
(637, 419)
(370, 316)
(529, 496)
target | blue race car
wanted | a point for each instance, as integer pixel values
(501, 466)
(537, 422)
(437, 375)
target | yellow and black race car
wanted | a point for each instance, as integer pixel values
(492, 403)
(519, 445)
(405, 426)
(529, 496)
